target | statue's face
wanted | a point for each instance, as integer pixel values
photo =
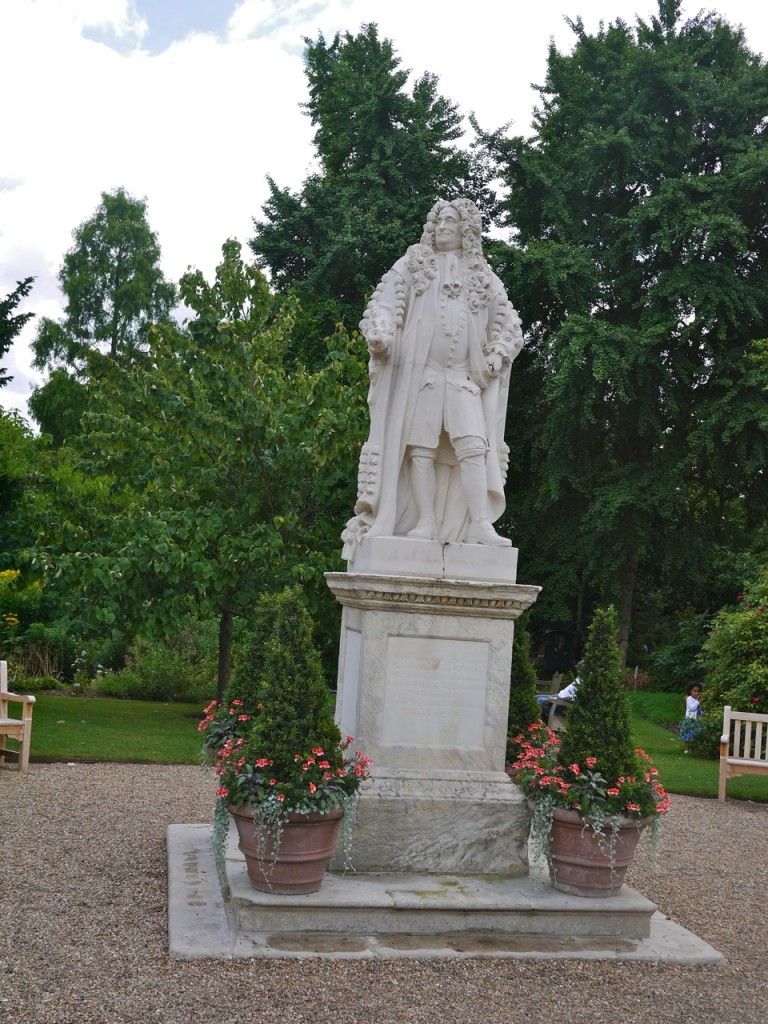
(448, 230)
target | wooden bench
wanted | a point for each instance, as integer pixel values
(15, 728)
(550, 686)
(556, 720)
(743, 746)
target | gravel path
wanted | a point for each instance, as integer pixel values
(83, 926)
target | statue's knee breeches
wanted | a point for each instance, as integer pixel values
(469, 447)
(422, 458)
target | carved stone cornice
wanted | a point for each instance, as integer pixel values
(431, 596)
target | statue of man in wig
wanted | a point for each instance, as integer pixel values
(441, 337)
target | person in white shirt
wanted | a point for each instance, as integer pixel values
(567, 693)
(691, 724)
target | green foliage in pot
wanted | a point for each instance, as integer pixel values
(278, 679)
(599, 723)
(524, 709)
(592, 768)
(274, 743)
(247, 680)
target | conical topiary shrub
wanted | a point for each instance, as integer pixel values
(590, 793)
(598, 722)
(277, 686)
(290, 686)
(524, 709)
(281, 765)
(248, 668)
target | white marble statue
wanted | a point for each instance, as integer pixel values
(441, 336)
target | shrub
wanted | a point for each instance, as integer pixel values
(20, 598)
(158, 670)
(735, 655)
(598, 722)
(636, 679)
(273, 741)
(46, 651)
(34, 684)
(524, 709)
(278, 683)
(250, 657)
(706, 740)
(10, 621)
(734, 659)
(110, 654)
(291, 684)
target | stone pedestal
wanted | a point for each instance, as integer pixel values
(424, 667)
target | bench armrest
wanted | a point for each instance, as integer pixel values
(19, 698)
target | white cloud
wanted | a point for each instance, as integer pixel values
(282, 20)
(196, 127)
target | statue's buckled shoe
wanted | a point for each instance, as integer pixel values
(425, 529)
(481, 532)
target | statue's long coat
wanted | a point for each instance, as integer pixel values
(404, 307)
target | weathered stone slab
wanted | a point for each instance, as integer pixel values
(518, 919)
(424, 689)
(466, 825)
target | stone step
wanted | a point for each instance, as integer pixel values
(385, 904)
(405, 915)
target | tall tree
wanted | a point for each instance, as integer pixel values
(386, 152)
(113, 284)
(16, 442)
(114, 290)
(227, 473)
(11, 323)
(641, 272)
(17, 456)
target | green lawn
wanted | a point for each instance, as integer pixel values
(682, 773)
(100, 729)
(665, 709)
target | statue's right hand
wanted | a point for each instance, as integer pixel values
(378, 347)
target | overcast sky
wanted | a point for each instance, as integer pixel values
(191, 103)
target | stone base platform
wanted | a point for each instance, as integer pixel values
(378, 915)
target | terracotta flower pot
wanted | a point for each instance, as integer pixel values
(298, 864)
(583, 863)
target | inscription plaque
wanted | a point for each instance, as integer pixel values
(435, 692)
